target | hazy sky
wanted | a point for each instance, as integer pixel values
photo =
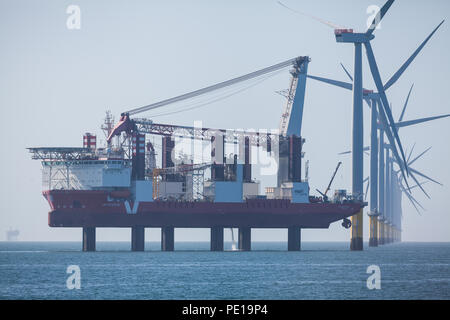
(57, 83)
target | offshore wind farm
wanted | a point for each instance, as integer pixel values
(120, 184)
(237, 150)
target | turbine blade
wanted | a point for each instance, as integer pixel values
(424, 176)
(415, 207)
(413, 202)
(413, 187)
(410, 154)
(402, 69)
(420, 174)
(383, 122)
(348, 152)
(377, 79)
(387, 131)
(406, 103)
(325, 22)
(404, 178)
(418, 157)
(336, 83)
(417, 202)
(379, 17)
(420, 186)
(401, 179)
(417, 121)
(402, 186)
(348, 73)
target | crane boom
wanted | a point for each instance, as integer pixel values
(291, 119)
(146, 126)
(332, 178)
(217, 86)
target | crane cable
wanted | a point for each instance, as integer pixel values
(216, 86)
(220, 97)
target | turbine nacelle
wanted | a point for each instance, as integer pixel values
(341, 31)
(348, 36)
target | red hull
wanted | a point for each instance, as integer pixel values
(79, 208)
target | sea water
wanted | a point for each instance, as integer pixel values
(38, 270)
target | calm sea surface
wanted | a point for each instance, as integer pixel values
(37, 270)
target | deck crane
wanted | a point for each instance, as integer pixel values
(324, 194)
(346, 223)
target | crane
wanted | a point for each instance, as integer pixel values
(252, 75)
(289, 139)
(126, 124)
(324, 195)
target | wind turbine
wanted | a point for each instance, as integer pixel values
(391, 225)
(358, 40)
(385, 115)
(379, 171)
(380, 202)
(373, 99)
(391, 195)
(399, 187)
(399, 211)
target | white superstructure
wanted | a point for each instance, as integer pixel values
(85, 174)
